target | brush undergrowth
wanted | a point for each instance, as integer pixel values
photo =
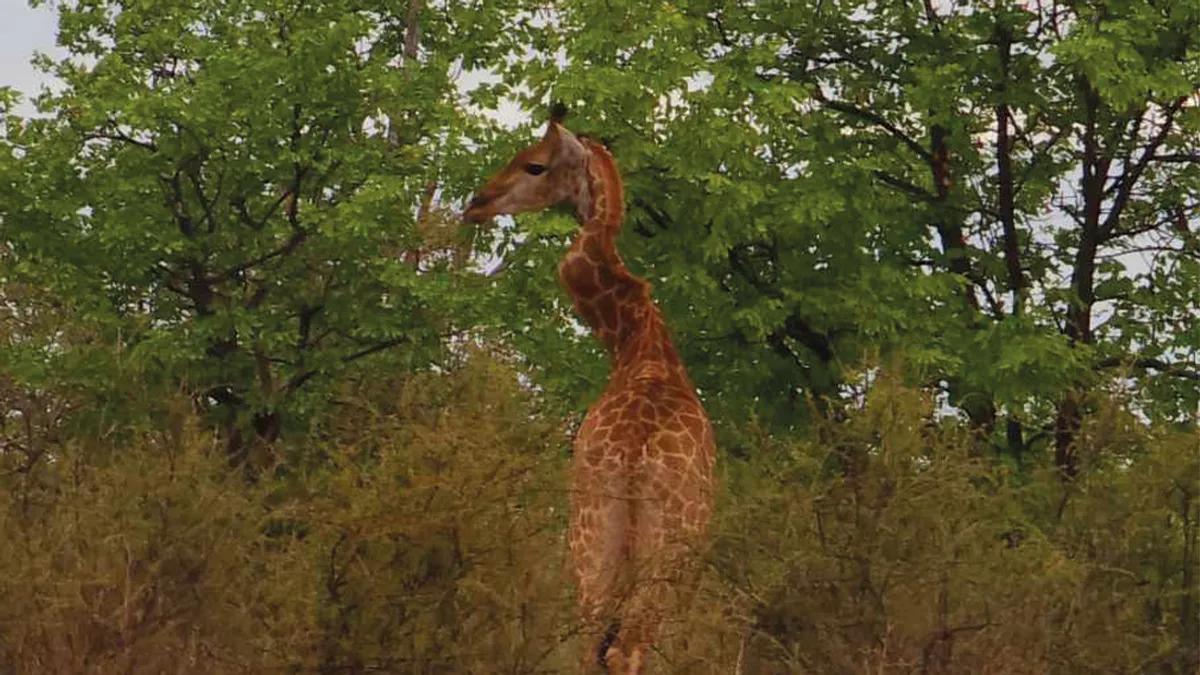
(421, 530)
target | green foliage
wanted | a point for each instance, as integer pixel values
(221, 195)
(814, 182)
(263, 412)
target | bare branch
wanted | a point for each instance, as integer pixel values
(1150, 363)
(292, 243)
(905, 186)
(1179, 158)
(1128, 179)
(881, 121)
(117, 135)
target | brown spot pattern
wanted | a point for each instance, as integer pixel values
(642, 482)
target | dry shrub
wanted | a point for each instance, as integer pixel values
(421, 530)
(423, 535)
(887, 547)
(127, 560)
(439, 526)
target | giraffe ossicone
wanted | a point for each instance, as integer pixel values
(642, 480)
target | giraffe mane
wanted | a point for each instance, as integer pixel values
(614, 188)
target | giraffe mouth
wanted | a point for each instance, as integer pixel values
(476, 212)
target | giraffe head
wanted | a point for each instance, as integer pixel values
(549, 172)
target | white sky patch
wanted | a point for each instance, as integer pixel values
(24, 31)
(507, 114)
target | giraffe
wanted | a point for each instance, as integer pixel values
(642, 467)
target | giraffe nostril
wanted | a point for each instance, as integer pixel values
(478, 201)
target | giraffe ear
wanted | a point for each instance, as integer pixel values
(564, 146)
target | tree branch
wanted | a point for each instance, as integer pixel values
(878, 120)
(412, 30)
(1130, 176)
(1004, 177)
(205, 204)
(904, 186)
(1151, 363)
(122, 137)
(300, 378)
(292, 243)
(1179, 158)
(175, 202)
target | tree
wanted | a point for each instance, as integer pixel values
(221, 194)
(1003, 192)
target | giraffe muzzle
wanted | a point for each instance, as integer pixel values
(474, 212)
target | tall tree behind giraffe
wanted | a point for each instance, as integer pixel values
(1002, 195)
(642, 478)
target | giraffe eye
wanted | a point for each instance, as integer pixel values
(535, 169)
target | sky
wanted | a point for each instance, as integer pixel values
(24, 30)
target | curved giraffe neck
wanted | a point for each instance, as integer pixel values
(615, 303)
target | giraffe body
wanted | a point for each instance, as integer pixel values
(642, 471)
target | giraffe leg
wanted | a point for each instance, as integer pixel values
(669, 518)
(598, 541)
(663, 577)
(650, 575)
